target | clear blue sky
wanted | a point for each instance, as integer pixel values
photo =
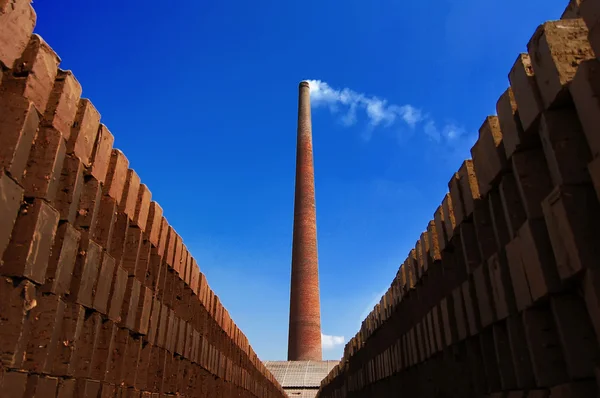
(202, 98)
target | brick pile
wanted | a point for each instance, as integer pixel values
(501, 295)
(99, 296)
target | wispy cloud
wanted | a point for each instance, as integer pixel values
(329, 342)
(378, 111)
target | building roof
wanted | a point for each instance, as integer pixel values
(300, 374)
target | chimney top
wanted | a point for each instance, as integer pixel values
(304, 83)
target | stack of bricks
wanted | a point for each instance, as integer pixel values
(501, 295)
(99, 296)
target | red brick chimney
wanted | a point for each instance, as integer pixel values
(305, 308)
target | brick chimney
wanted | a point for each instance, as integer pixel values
(305, 308)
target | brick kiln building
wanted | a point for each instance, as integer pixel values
(500, 297)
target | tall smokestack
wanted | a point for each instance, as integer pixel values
(305, 309)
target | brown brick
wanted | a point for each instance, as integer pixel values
(526, 93)
(489, 158)
(572, 215)
(104, 284)
(594, 36)
(84, 132)
(154, 224)
(84, 346)
(19, 123)
(101, 154)
(34, 73)
(572, 10)
(511, 204)
(32, 238)
(490, 360)
(458, 308)
(132, 248)
(120, 236)
(17, 20)
(102, 349)
(170, 248)
(513, 136)
(506, 367)
(565, 147)
(62, 105)
(104, 227)
(117, 294)
(128, 201)
(517, 274)
(142, 317)
(86, 388)
(499, 223)
(585, 90)
(449, 221)
(484, 296)
(576, 335)
(580, 389)
(89, 206)
(13, 383)
(66, 388)
(556, 49)
(533, 180)
(177, 259)
(482, 219)
(440, 228)
(142, 207)
(62, 261)
(590, 12)
(142, 269)
(11, 196)
(114, 369)
(65, 360)
(42, 174)
(70, 188)
(16, 300)
(130, 303)
(470, 301)
(162, 326)
(116, 176)
(591, 294)
(41, 387)
(547, 359)
(502, 290)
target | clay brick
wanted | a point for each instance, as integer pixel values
(86, 388)
(514, 212)
(42, 174)
(154, 224)
(556, 49)
(117, 294)
(17, 22)
(489, 158)
(469, 299)
(65, 361)
(594, 37)
(120, 239)
(84, 132)
(16, 300)
(32, 238)
(547, 359)
(142, 269)
(590, 12)
(591, 294)
(41, 387)
(582, 389)
(177, 259)
(142, 317)
(440, 228)
(195, 277)
(142, 208)
(585, 90)
(506, 367)
(130, 302)
(102, 153)
(576, 335)
(84, 346)
(132, 248)
(89, 207)
(484, 296)
(85, 273)
(102, 350)
(449, 221)
(502, 290)
(458, 309)
(114, 369)
(13, 383)
(34, 73)
(104, 284)
(116, 175)
(565, 147)
(162, 326)
(66, 388)
(70, 187)
(526, 93)
(572, 215)
(105, 225)
(572, 10)
(490, 360)
(62, 260)
(433, 242)
(128, 201)
(62, 104)
(19, 123)
(482, 220)
(513, 136)
(533, 180)
(11, 196)
(498, 218)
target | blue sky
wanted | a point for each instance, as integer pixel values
(202, 98)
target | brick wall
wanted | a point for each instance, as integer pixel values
(501, 295)
(99, 296)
